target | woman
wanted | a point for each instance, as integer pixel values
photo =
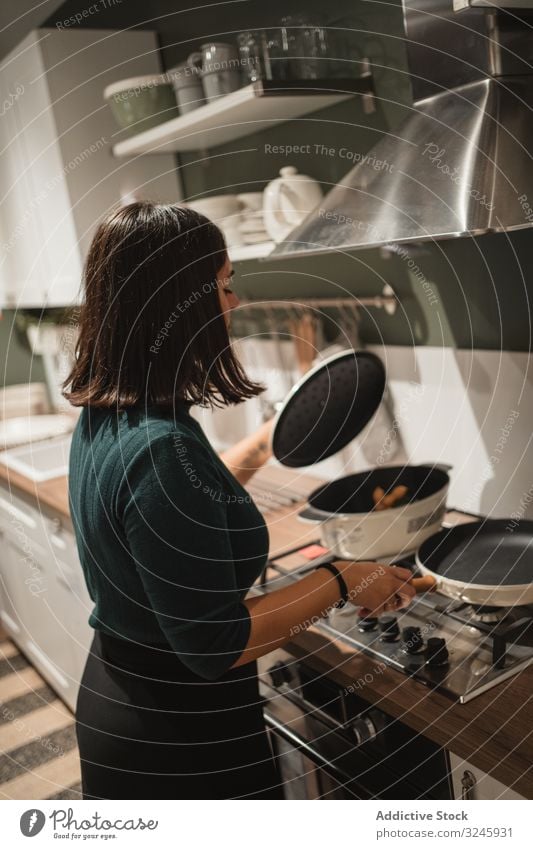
(169, 540)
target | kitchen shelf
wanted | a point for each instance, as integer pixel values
(243, 252)
(249, 109)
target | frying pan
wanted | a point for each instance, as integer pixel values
(481, 563)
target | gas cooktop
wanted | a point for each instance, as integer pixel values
(456, 648)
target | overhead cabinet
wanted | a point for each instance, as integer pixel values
(58, 175)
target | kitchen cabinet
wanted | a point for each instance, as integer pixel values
(40, 256)
(10, 593)
(57, 171)
(44, 603)
(470, 782)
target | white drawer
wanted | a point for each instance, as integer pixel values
(18, 519)
(61, 540)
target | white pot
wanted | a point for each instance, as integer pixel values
(384, 533)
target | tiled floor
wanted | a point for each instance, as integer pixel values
(38, 752)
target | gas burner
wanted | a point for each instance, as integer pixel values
(457, 648)
(486, 615)
(494, 620)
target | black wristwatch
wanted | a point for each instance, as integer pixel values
(345, 595)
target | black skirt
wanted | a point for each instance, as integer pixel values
(149, 728)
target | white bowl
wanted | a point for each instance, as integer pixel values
(252, 201)
(216, 208)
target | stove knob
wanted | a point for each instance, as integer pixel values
(279, 674)
(389, 628)
(367, 623)
(436, 652)
(363, 729)
(412, 640)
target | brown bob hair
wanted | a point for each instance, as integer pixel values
(152, 330)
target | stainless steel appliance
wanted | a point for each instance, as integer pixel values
(458, 648)
(330, 744)
(459, 165)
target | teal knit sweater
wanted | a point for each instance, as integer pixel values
(168, 539)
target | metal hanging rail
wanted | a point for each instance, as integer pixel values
(387, 301)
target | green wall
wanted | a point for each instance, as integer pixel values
(17, 363)
(481, 290)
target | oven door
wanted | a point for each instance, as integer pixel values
(333, 745)
(311, 755)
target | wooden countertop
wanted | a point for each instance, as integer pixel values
(493, 732)
(52, 494)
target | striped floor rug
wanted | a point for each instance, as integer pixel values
(38, 752)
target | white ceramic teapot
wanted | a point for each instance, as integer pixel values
(287, 200)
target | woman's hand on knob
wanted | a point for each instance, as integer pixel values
(376, 588)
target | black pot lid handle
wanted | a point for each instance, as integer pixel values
(328, 408)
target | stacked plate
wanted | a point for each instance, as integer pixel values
(225, 211)
(252, 224)
(240, 217)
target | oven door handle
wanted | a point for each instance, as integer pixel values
(315, 756)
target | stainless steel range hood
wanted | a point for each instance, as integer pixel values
(461, 164)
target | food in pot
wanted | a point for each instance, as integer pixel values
(384, 501)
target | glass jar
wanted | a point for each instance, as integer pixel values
(306, 46)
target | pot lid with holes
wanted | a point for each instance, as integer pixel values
(328, 408)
